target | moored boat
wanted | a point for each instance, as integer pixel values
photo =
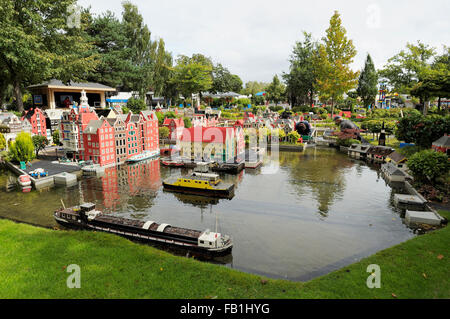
(172, 163)
(206, 184)
(143, 156)
(24, 180)
(86, 216)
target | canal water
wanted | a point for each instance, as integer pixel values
(315, 212)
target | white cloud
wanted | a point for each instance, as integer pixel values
(254, 38)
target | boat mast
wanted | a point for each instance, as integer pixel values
(216, 220)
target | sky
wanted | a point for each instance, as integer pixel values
(254, 39)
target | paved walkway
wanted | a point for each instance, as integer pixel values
(52, 168)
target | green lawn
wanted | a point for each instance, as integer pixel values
(33, 264)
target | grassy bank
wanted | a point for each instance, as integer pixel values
(33, 264)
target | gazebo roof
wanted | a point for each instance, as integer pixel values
(57, 84)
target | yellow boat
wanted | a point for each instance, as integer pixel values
(206, 184)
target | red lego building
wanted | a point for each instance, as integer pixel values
(99, 142)
(37, 120)
(175, 127)
(149, 131)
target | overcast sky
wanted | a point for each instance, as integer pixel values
(254, 39)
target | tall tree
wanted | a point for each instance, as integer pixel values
(221, 79)
(37, 43)
(301, 80)
(403, 70)
(192, 76)
(333, 62)
(110, 41)
(224, 81)
(235, 83)
(142, 50)
(367, 83)
(276, 90)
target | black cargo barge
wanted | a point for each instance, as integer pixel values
(229, 168)
(87, 217)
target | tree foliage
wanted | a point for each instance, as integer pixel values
(37, 43)
(2, 142)
(22, 149)
(192, 75)
(428, 165)
(187, 122)
(276, 90)
(39, 142)
(368, 83)
(422, 130)
(301, 81)
(224, 81)
(136, 105)
(333, 62)
(55, 137)
(164, 132)
(403, 70)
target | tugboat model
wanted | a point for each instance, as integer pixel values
(86, 216)
(200, 183)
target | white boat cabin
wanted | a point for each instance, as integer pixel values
(209, 239)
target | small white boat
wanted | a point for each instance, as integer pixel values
(143, 156)
(24, 180)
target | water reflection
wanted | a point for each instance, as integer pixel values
(318, 212)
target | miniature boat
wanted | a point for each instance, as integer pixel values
(229, 168)
(172, 163)
(206, 184)
(86, 216)
(24, 180)
(143, 156)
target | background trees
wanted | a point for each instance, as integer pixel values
(192, 75)
(276, 90)
(301, 81)
(368, 83)
(332, 62)
(36, 44)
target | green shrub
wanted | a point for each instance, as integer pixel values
(22, 149)
(2, 142)
(428, 165)
(187, 122)
(347, 142)
(302, 109)
(55, 137)
(374, 126)
(422, 130)
(293, 136)
(277, 108)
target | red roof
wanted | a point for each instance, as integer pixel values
(206, 134)
(178, 122)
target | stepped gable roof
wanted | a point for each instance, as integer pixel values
(93, 126)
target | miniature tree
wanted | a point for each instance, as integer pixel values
(22, 149)
(39, 142)
(55, 137)
(164, 132)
